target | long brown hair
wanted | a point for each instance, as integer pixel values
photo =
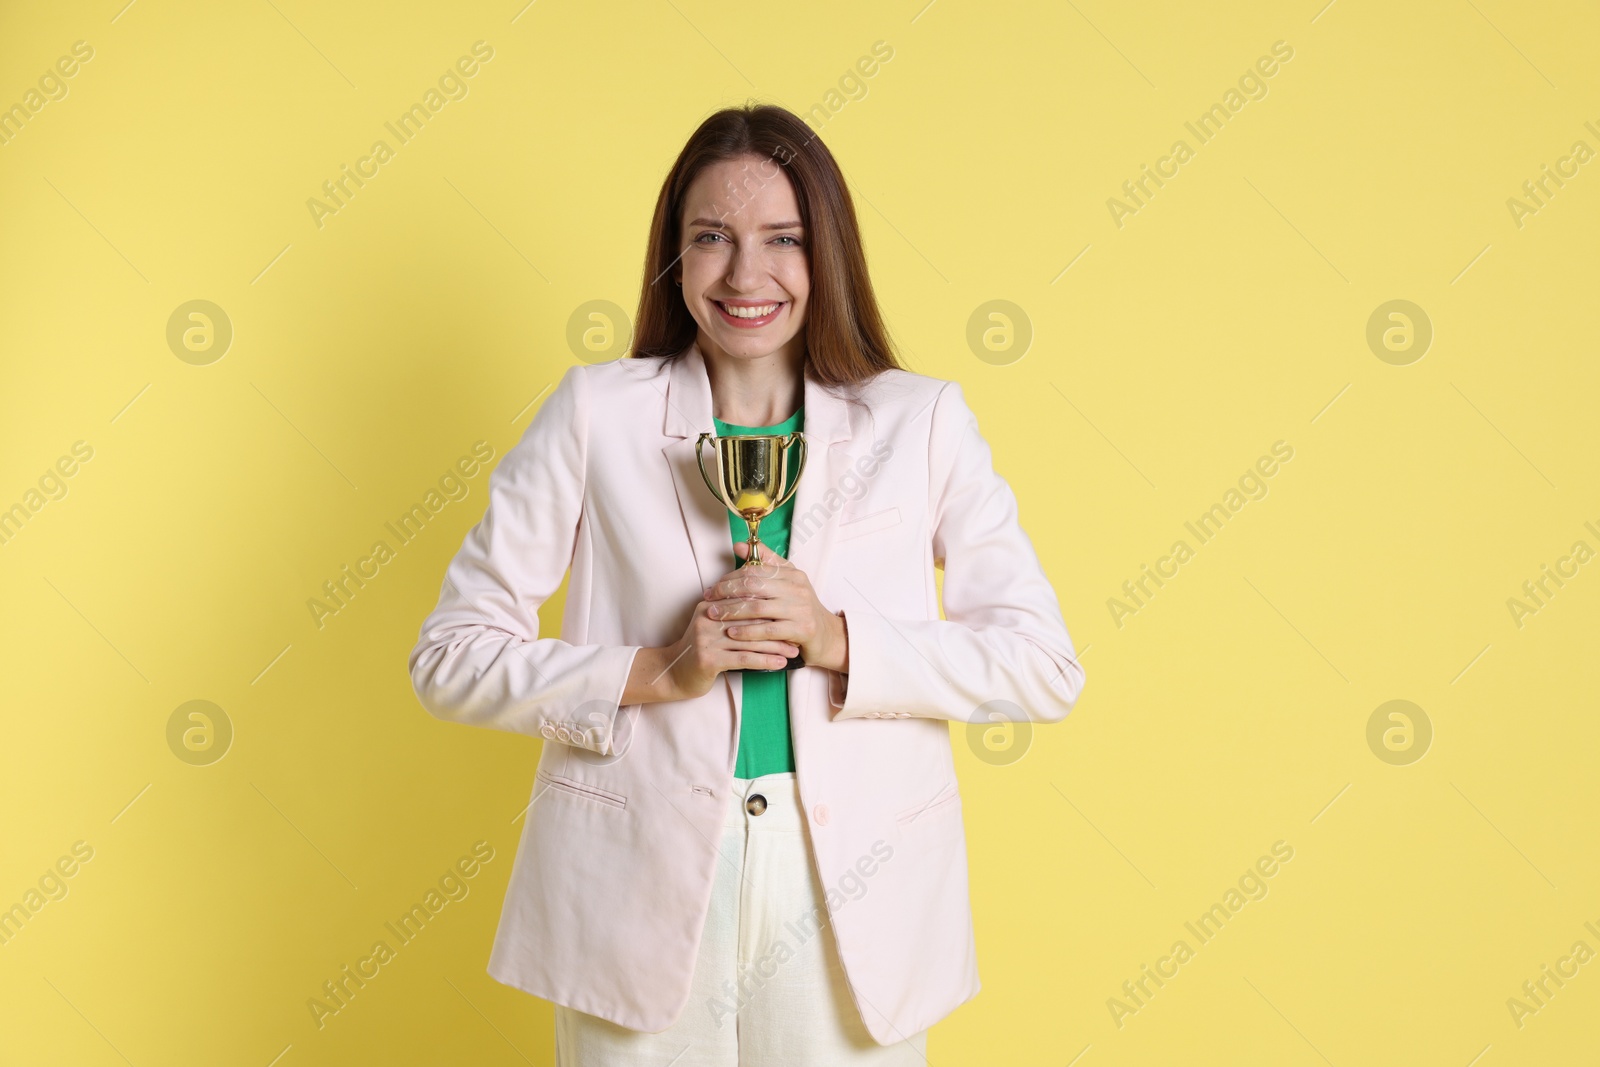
(846, 342)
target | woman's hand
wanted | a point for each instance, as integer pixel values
(773, 601)
(689, 666)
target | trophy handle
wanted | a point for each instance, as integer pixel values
(795, 438)
(700, 458)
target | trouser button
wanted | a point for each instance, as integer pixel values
(756, 804)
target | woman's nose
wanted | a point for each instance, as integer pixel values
(747, 270)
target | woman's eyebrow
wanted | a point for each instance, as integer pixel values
(717, 224)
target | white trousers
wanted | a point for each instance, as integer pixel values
(769, 989)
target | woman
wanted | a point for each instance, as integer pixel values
(726, 862)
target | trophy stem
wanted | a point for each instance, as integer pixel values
(753, 543)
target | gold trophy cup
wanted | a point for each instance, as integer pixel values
(752, 480)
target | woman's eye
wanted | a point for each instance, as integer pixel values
(707, 237)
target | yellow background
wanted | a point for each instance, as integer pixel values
(1229, 713)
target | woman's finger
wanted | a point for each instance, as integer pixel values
(759, 630)
(772, 646)
(747, 608)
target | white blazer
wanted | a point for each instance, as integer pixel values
(613, 877)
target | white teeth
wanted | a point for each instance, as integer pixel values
(749, 312)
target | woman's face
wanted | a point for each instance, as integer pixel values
(745, 269)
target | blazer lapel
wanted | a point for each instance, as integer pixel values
(831, 423)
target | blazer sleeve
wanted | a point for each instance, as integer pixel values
(1003, 637)
(479, 659)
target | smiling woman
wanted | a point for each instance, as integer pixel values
(769, 202)
(693, 797)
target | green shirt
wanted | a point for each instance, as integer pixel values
(765, 746)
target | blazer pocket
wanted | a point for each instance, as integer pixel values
(878, 520)
(931, 811)
(573, 787)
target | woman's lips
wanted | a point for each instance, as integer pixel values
(750, 324)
